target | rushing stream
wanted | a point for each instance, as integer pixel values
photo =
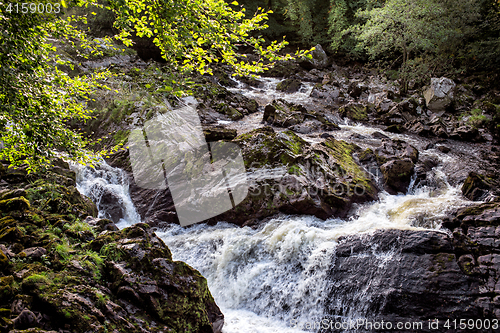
(267, 278)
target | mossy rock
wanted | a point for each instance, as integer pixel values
(20, 204)
(289, 85)
(354, 111)
(296, 177)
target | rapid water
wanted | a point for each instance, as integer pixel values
(103, 180)
(269, 278)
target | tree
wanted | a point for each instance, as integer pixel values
(38, 100)
(432, 27)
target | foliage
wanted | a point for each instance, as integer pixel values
(192, 34)
(37, 99)
(428, 28)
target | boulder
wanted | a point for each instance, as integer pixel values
(477, 187)
(289, 85)
(287, 174)
(440, 94)
(354, 111)
(319, 59)
(281, 113)
(397, 175)
(400, 276)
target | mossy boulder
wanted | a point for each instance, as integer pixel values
(354, 111)
(476, 187)
(289, 85)
(285, 114)
(287, 174)
(59, 271)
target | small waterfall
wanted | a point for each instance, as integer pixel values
(108, 188)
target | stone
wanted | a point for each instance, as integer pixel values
(289, 85)
(440, 94)
(354, 111)
(477, 186)
(33, 252)
(285, 177)
(319, 59)
(397, 175)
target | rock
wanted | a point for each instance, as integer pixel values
(284, 114)
(397, 175)
(393, 129)
(289, 85)
(269, 113)
(354, 111)
(476, 187)
(110, 203)
(379, 135)
(319, 59)
(219, 133)
(329, 94)
(284, 177)
(440, 94)
(307, 127)
(14, 204)
(33, 252)
(443, 149)
(26, 319)
(420, 129)
(405, 276)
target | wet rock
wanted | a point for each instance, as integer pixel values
(319, 59)
(14, 204)
(292, 176)
(289, 85)
(284, 114)
(406, 275)
(110, 203)
(397, 175)
(443, 149)
(219, 133)
(394, 129)
(329, 94)
(420, 129)
(354, 111)
(440, 94)
(476, 187)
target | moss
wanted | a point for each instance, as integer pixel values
(14, 204)
(354, 111)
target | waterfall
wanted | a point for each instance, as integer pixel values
(272, 277)
(108, 188)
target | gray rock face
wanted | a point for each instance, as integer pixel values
(319, 59)
(403, 275)
(440, 94)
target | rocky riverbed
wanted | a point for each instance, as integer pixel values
(364, 203)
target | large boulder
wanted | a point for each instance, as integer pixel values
(477, 187)
(287, 174)
(319, 59)
(401, 275)
(440, 94)
(289, 85)
(397, 174)
(285, 114)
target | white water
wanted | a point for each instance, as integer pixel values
(267, 278)
(93, 183)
